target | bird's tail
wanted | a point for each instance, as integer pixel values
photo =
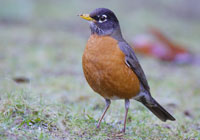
(158, 110)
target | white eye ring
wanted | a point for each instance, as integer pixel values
(102, 18)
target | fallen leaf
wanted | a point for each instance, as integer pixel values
(21, 80)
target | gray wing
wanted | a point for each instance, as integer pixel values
(132, 62)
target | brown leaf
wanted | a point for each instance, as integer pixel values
(21, 80)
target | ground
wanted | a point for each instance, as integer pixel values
(55, 101)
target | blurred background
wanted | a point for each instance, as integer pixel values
(42, 42)
(32, 31)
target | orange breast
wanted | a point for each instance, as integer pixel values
(105, 69)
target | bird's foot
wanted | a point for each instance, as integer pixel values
(98, 126)
(123, 130)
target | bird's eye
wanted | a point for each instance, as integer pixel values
(102, 18)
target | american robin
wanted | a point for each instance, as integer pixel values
(111, 67)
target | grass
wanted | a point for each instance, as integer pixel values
(57, 103)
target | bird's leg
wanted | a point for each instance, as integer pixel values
(105, 110)
(127, 103)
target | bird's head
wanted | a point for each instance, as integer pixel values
(102, 22)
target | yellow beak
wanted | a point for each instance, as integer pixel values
(86, 17)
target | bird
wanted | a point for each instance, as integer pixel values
(111, 67)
